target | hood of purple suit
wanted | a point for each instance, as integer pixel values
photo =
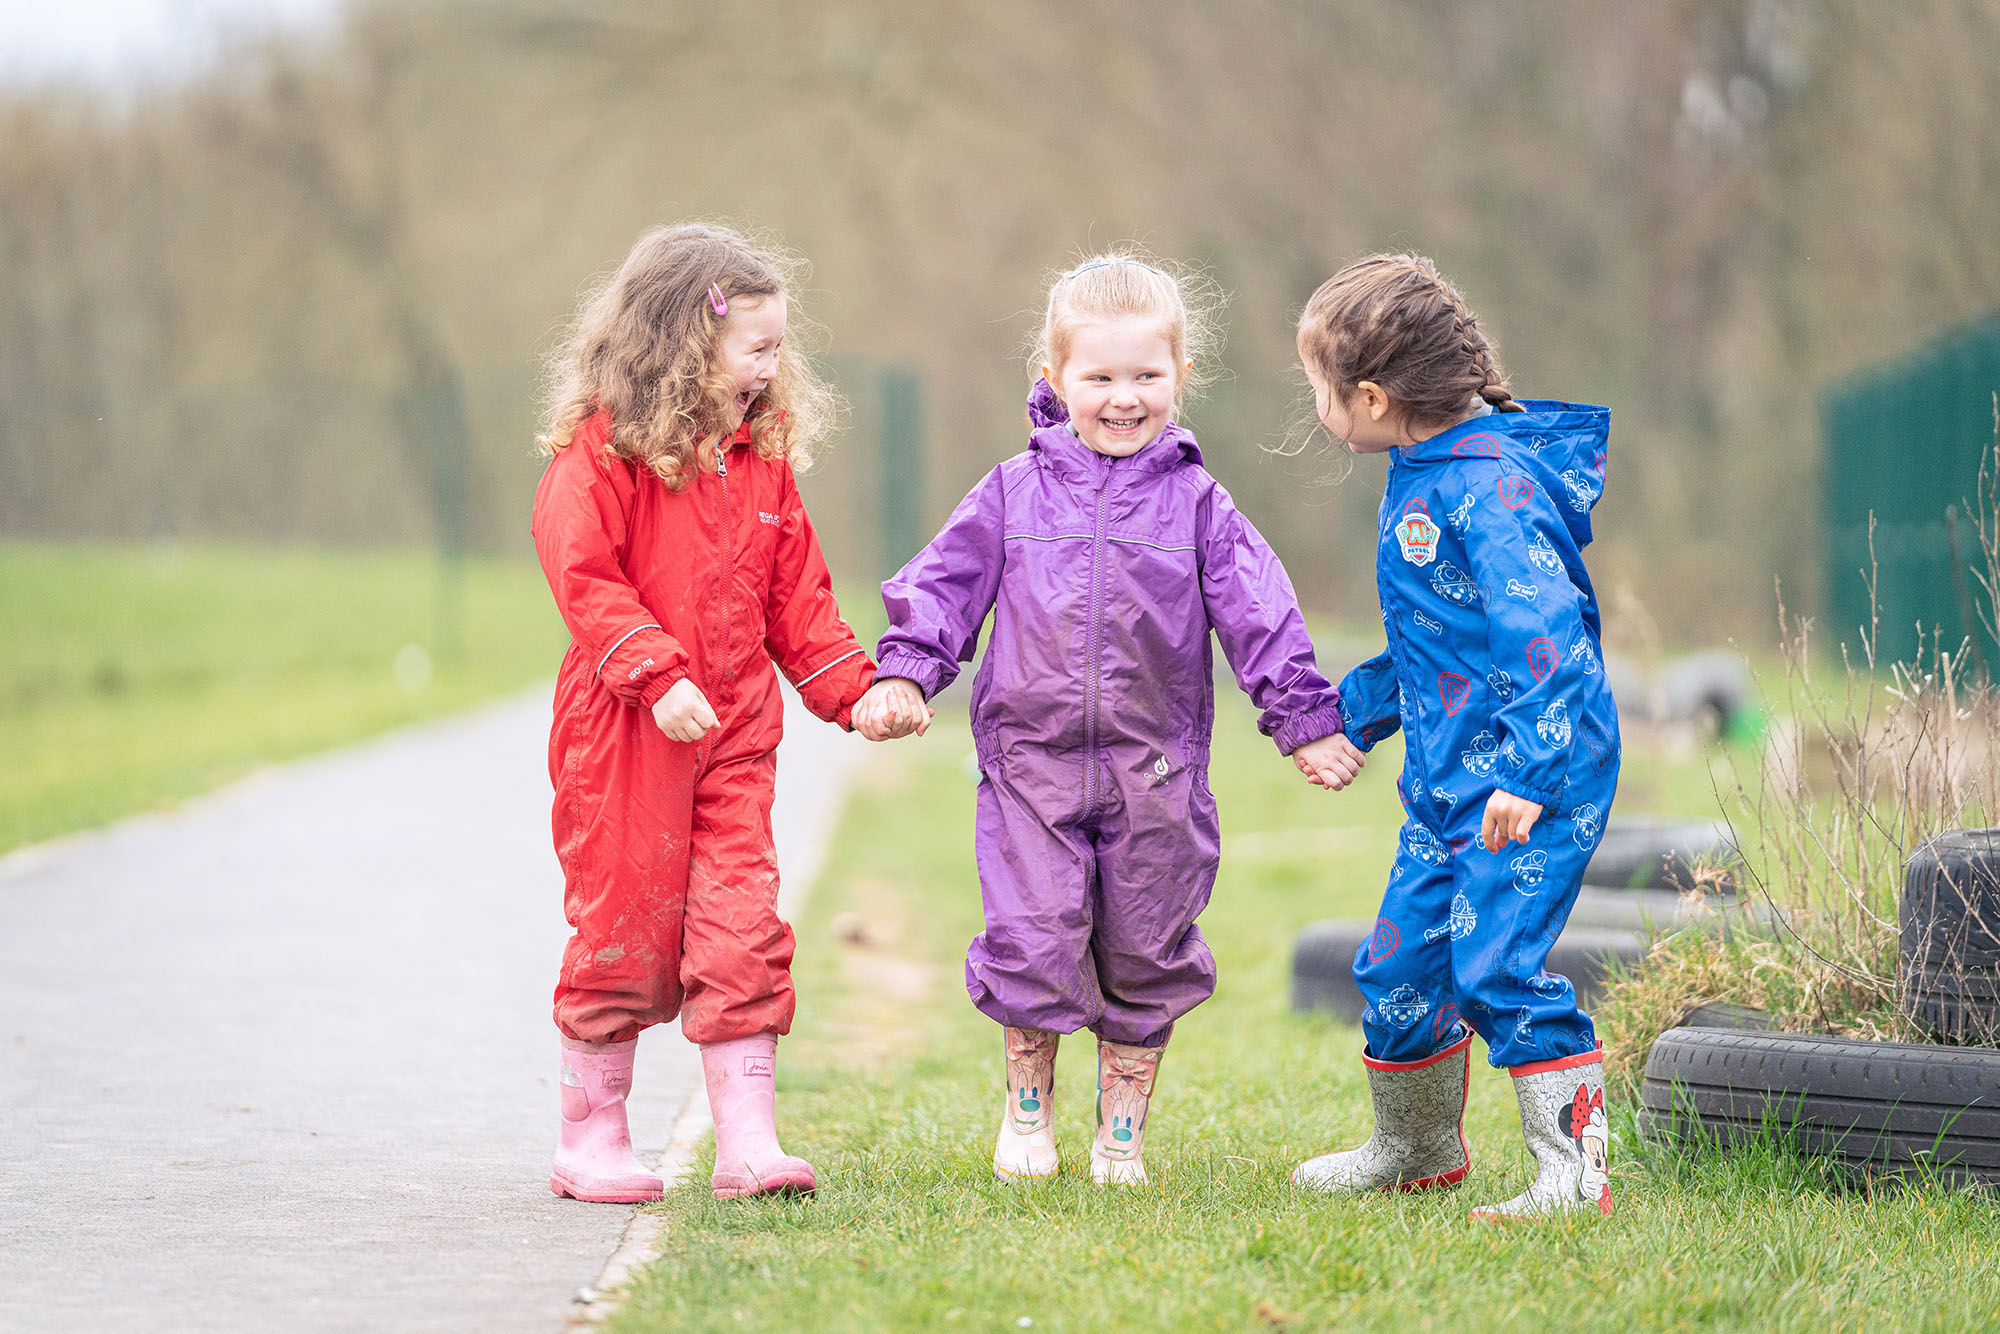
(1049, 415)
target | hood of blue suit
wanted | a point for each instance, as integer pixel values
(1560, 445)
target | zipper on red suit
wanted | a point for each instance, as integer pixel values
(721, 676)
(1094, 648)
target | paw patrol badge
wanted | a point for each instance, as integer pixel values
(1417, 535)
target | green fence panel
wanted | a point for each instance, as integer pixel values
(1905, 441)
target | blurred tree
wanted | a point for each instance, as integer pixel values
(340, 137)
(307, 298)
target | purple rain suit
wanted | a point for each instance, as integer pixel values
(1096, 833)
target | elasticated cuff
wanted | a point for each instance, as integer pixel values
(843, 717)
(1544, 798)
(1309, 726)
(650, 693)
(1355, 730)
(911, 667)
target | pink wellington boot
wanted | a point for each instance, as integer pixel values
(743, 1098)
(594, 1159)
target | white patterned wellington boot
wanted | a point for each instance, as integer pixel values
(1419, 1138)
(1026, 1149)
(1562, 1118)
(1125, 1076)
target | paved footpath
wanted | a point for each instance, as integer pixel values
(283, 1058)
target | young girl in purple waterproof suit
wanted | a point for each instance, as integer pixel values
(1106, 554)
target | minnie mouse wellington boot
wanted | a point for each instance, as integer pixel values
(594, 1159)
(1562, 1118)
(743, 1098)
(1419, 1137)
(1125, 1077)
(1026, 1149)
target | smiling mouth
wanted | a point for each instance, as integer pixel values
(746, 398)
(1121, 423)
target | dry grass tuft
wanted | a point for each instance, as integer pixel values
(1856, 773)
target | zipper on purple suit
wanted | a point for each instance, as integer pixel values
(1094, 641)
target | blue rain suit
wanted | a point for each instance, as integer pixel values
(1494, 672)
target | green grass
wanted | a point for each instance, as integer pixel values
(892, 1084)
(130, 678)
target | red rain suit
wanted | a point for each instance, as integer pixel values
(669, 875)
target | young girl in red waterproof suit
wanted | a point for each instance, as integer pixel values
(683, 562)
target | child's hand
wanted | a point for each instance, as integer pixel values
(683, 713)
(893, 707)
(1332, 762)
(1508, 819)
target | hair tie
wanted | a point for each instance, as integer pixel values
(717, 301)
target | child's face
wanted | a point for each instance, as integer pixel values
(1119, 382)
(752, 333)
(1362, 419)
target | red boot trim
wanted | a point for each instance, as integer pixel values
(1442, 1179)
(1559, 1063)
(1373, 1064)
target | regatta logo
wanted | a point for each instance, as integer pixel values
(633, 675)
(765, 516)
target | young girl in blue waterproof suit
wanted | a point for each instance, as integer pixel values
(1494, 673)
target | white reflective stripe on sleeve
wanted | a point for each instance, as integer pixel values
(835, 663)
(614, 648)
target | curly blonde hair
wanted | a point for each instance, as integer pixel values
(1125, 282)
(643, 348)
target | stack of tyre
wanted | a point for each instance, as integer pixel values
(1920, 1107)
(1632, 886)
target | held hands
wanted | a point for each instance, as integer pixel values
(1508, 820)
(683, 713)
(893, 707)
(1332, 762)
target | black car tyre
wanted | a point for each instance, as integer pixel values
(1949, 980)
(1323, 962)
(1866, 1104)
(1643, 852)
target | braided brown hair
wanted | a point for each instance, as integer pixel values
(1395, 320)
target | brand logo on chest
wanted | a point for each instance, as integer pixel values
(1416, 534)
(765, 516)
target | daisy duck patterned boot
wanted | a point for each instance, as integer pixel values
(1419, 1138)
(1026, 1149)
(1562, 1118)
(1125, 1077)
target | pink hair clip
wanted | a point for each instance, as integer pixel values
(716, 301)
